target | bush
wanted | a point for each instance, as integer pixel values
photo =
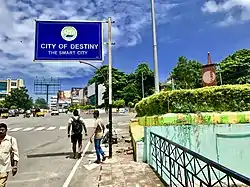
(208, 99)
(75, 106)
(119, 103)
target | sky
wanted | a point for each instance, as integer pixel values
(184, 28)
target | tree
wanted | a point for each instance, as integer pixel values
(235, 68)
(144, 72)
(187, 74)
(19, 98)
(119, 81)
(127, 87)
(119, 103)
(130, 93)
(131, 104)
(2, 104)
(41, 103)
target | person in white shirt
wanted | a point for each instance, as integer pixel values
(98, 135)
(76, 125)
(9, 155)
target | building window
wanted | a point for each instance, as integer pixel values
(13, 83)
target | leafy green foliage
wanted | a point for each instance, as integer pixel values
(145, 73)
(127, 87)
(77, 106)
(131, 104)
(19, 98)
(119, 103)
(187, 74)
(41, 103)
(207, 99)
(236, 67)
(2, 104)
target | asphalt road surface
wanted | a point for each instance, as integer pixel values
(45, 149)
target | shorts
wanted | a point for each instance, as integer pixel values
(76, 138)
(3, 178)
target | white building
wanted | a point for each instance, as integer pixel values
(7, 85)
(53, 102)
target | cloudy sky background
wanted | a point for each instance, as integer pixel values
(189, 28)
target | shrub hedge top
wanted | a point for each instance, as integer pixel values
(207, 99)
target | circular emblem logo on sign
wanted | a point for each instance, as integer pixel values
(69, 33)
(208, 77)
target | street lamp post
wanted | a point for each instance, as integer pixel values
(156, 73)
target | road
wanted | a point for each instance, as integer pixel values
(45, 148)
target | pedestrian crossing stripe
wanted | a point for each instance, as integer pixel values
(41, 128)
(63, 127)
(27, 129)
(51, 128)
(15, 129)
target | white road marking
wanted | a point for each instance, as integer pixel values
(28, 129)
(122, 123)
(68, 180)
(63, 127)
(91, 166)
(15, 129)
(39, 128)
(51, 128)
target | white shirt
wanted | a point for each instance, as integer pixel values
(71, 120)
(99, 132)
(5, 148)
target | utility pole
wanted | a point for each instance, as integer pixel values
(142, 84)
(220, 78)
(110, 83)
(172, 82)
(156, 73)
(47, 94)
(110, 43)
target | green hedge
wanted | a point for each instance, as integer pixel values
(86, 107)
(207, 99)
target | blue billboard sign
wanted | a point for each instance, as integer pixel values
(59, 40)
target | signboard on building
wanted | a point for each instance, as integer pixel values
(3, 87)
(75, 93)
(61, 98)
(208, 75)
(59, 40)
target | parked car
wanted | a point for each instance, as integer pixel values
(4, 113)
(54, 113)
(13, 113)
(27, 114)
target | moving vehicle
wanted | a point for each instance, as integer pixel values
(54, 112)
(4, 113)
(38, 113)
(27, 114)
(13, 113)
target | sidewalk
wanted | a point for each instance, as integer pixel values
(120, 171)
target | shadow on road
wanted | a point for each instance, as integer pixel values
(49, 154)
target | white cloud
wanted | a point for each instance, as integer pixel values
(17, 29)
(237, 11)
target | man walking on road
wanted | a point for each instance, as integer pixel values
(98, 135)
(9, 156)
(76, 125)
